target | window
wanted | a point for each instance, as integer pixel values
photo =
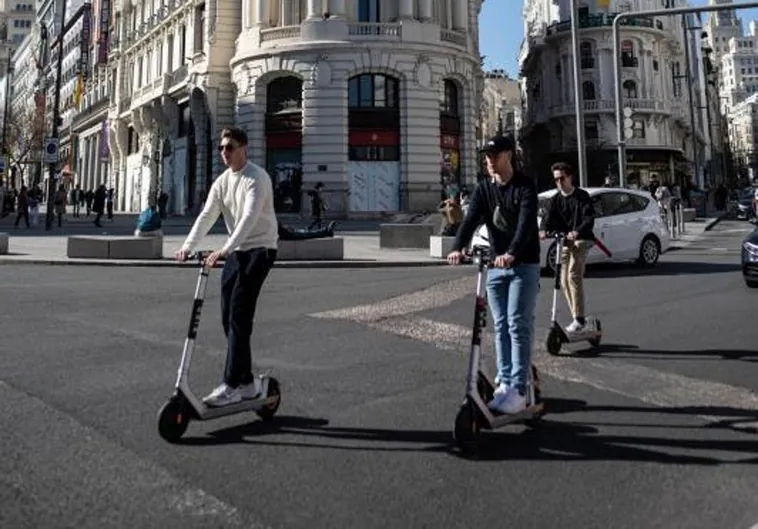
(588, 90)
(618, 203)
(630, 89)
(586, 56)
(597, 204)
(368, 11)
(372, 91)
(449, 102)
(199, 28)
(184, 120)
(284, 94)
(591, 131)
(628, 60)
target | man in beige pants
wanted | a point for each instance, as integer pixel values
(571, 212)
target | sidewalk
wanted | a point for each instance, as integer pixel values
(37, 246)
(694, 230)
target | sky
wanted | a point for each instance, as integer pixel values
(501, 29)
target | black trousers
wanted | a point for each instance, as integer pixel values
(241, 283)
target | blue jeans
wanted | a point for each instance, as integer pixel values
(512, 296)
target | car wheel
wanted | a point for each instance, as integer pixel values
(550, 259)
(650, 251)
(750, 283)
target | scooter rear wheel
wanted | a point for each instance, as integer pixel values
(595, 342)
(267, 412)
(173, 420)
(467, 428)
(554, 342)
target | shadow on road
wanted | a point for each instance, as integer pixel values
(551, 440)
(633, 351)
(664, 268)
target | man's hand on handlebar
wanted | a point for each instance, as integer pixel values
(543, 234)
(455, 257)
(504, 261)
(181, 255)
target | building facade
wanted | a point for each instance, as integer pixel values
(377, 100)
(501, 106)
(655, 89)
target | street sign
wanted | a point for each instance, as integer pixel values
(627, 112)
(50, 152)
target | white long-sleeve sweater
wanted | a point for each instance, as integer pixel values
(246, 198)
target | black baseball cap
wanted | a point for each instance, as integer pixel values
(498, 144)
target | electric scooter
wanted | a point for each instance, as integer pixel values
(474, 415)
(183, 405)
(557, 336)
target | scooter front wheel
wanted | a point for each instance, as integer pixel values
(268, 411)
(467, 428)
(554, 341)
(173, 420)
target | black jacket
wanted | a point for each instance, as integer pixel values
(571, 213)
(518, 203)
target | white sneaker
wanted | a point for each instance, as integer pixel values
(501, 388)
(499, 396)
(224, 395)
(513, 402)
(575, 327)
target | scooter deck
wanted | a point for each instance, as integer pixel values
(206, 412)
(495, 420)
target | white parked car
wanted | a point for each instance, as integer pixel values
(628, 222)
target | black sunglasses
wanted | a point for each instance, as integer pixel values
(228, 147)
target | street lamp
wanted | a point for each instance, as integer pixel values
(578, 103)
(6, 116)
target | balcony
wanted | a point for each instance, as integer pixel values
(375, 30)
(282, 33)
(454, 37)
(601, 20)
(609, 105)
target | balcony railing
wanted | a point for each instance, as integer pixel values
(178, 76)
(609, 105)
(454, 37)
(602, 20)
(285, 32)
(375, 30)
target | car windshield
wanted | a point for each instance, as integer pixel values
(748, 192)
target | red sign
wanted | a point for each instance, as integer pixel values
(379, 138)
(289, 140)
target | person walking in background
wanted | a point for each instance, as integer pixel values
(22, 206)
(98, 204)
(60, 201)
(109, 203)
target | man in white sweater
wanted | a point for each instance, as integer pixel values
(245, 196)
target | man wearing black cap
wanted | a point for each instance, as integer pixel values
(507, 204)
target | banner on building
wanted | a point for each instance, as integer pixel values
(105, 151)
(103, 32)
(84, 47)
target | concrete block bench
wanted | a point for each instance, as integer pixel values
(114, 247)
(3, 243)
(440, 246)
(689, 214)
(326, 249)
(405, 235)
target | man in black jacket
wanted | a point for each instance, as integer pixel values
(571, 212)
(507, 204)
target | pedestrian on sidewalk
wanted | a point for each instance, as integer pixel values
(571, 213)
(98, 204)
(109, 203)
(507, 204)
(60, 200)
(244, 194)
(22, 206)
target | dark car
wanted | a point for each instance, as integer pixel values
(750, 259)
(745, 204)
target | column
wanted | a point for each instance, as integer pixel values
(406, 9)
(285, 8)
(314, 9)
(337, 8)
(246, 18)
(460, 14)
(261, 12)
(425, 10)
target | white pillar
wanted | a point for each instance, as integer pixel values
(261, 12)
(460, 14)
(314, 9)
(246, 18)
(425, 10)
(406, 9)
(337, 8)
(286, 12)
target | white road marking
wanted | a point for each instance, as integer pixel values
(440, 295)
(648, 385)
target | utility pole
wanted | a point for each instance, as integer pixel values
(690, 96)
(578, 103)
(6, 116)
(50, 216)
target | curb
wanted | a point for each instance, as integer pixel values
(167, 263)
(711, 224)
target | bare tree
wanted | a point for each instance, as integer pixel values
(25, 130)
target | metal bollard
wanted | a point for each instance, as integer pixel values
(680, 213)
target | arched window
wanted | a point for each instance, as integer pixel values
(630, 89)
(588, 90)
(284, 138)
(373, 91)
(628, 60)
(449, 100)
(450, 136)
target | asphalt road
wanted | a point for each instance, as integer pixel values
(657, 429)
